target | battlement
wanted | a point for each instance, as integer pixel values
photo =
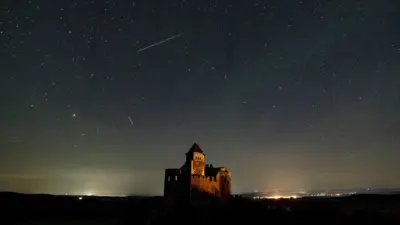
(204, 178)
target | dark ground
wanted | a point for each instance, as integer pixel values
(56, 210)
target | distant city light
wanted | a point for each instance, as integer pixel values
(300, 194)
(80, 198)
(280, 197)
(277, 197)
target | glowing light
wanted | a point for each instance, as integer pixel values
(80, 198)
(280, 197)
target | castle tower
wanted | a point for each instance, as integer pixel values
(196, 183)
(195, 160)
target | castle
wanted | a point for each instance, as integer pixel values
(196, 180)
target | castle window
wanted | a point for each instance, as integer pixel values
(169, 178)
(176, 177)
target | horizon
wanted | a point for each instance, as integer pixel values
(362, 191)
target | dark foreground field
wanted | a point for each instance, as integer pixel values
(57, 210)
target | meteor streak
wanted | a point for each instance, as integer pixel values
(130, 120)
(160, 42)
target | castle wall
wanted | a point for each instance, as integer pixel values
(204, 184)
(181, 186)
(176, 185)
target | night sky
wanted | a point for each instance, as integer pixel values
(286, 94)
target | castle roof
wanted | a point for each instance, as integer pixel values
(195, 148)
